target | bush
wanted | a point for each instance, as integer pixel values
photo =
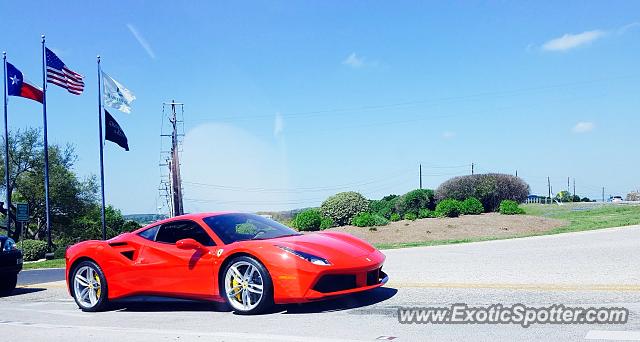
(326, 223)
(426, 213)
(448, 207)
(384, 207)
(395, 217)
(59, 252)
(509, 207)
(415, 200)
(471, 206)
(410, 216)
(33, 249)
(369, 220)
(342, 207)
(308, 220)
(489, 188)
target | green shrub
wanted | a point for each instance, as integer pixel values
(59, 252)
(33, 249)
(384, 207)
(369, 220)
(395, 217)
(448, 207)
(410, 216)
(308, 220)
(342, 207)
(426, 213)
(326, 223)
(471, 206)
(489, 188)
(415, 200)
(509, 207)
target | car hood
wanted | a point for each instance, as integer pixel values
(327, 244)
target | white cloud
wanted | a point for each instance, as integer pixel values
(143, 42)
(355, 61)
(278, 125)
(448, 135)
(570, 41)
(584, 127)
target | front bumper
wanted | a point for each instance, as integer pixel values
(311, 283)
(10, 262)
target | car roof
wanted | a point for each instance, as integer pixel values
(190, 216)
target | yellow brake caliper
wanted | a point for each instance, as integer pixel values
(100, 287)
(234, 284)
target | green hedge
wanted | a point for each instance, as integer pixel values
(369, 220)
(342, 207)
(33, 250)
(448, 207)
(471, 206)
(508, 207)
(307, 220)
(490, 189)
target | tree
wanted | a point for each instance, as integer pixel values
(74, 209)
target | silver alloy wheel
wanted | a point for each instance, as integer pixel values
(243, 286)
(87, 287)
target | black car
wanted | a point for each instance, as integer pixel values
(10, 265)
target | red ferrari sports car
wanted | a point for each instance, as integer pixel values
(247, 260)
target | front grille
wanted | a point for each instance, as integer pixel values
(335, 282)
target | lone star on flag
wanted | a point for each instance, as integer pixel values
(14, 79)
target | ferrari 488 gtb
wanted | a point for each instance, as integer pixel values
(249, 261)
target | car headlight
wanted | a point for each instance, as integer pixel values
(9, 245)
(316, 260)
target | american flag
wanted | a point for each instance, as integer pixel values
(60, 75)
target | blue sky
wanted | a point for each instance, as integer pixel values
(289, 102)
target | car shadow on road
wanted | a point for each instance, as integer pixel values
(23, 290)
(162, 304)
(354, 301)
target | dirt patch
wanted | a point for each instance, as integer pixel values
(464, 227)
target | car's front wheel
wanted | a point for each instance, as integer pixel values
(246, 286)
(89, 286)
(8, 284)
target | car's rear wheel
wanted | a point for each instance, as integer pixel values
(8, 284)
(89, 286)
(246, 286)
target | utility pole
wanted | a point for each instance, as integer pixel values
(516, 173)
(549, 186)
(603, 194)
(420, 176)
(172, 161)
(574, 187)
(568, 192)
(471, 168)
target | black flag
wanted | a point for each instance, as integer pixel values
(113, 132)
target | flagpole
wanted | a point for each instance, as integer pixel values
(46, 143)
(104, 227)
(6, 145)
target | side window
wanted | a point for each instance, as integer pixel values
(174, 231)
(149, 234)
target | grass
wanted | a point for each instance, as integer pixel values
(54, 263)
(581, 217)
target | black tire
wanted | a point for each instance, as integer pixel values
(8, 284)
(102, 299)
(266, 300)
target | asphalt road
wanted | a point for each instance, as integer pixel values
(590, 269)
(29, 277)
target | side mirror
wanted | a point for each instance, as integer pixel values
(188, 244)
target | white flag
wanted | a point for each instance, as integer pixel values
(116, 95)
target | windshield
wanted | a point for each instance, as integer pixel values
(240, 227)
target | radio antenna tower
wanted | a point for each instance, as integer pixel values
(170, 180)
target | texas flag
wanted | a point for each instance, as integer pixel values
(17, 86)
